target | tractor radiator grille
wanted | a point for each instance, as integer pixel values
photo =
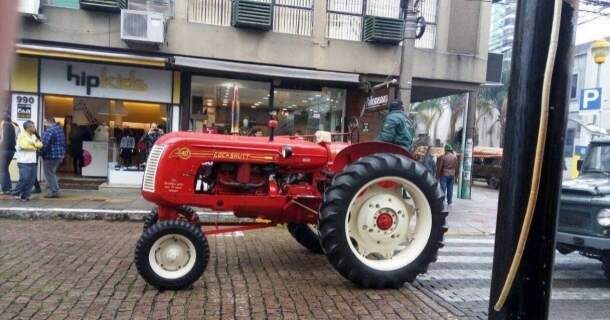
(148, 184)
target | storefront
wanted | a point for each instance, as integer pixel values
(238, 98)
(110, 114)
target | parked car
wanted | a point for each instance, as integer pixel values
(584, 216)
(487, 166)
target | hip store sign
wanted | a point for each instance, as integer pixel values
(105, 81)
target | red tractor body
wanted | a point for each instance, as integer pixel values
(280, 180)
(369, 207)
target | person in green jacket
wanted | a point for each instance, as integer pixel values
(397, 127)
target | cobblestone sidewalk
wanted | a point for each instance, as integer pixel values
(83, 270)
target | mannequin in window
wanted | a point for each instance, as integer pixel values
(127, 145)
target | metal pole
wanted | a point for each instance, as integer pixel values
(406, 60)
(466, 173)
(463, 147)
(531, 291)
(598, 85)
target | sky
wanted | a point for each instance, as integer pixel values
(592, 27)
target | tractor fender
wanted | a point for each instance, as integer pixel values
(359, 150)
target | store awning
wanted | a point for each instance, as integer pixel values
(89, 55)
(264, 70)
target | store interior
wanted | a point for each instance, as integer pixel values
(229, 106)
(106, 138)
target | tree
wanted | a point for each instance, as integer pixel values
(457, 103)
(429, 111)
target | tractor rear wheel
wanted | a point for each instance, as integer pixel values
(382, 221)
(306, 235)
(172, 254)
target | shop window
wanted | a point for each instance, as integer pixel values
(229, 106)
(105, 138)
(305, 112)
(72, 4)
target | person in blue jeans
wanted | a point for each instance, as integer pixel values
(447, 171)
(53, 152)
(27, 146)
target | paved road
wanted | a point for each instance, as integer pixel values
(462, 275)
(84, 270)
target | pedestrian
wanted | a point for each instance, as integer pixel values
(447, 171)
(8, 140)
(76, 137)
(151, 137)
(429, 161)
(397, 127)
(53, 153)
(27, 146)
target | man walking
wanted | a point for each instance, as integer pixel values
(8, 141)
(27, 147)
(397, 127)
(53, 152)
(447, 171)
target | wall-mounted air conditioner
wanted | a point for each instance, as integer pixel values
(28, 7)
(142, 26)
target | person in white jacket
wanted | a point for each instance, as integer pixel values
(28, 145)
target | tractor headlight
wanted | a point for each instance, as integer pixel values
(603, 217)
(286, 152)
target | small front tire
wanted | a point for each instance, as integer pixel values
(151, 219)
(172, 254)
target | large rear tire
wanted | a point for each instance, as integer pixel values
(307, 236)
(382, 221)
(172, 254)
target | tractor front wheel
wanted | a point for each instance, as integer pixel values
(172, 254)
(306, 235)
(382, 221)
(151, 218)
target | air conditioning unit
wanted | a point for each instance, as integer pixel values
(28, 7)
(142, 26)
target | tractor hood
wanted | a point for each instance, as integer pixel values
(289, 152)
(594, 184)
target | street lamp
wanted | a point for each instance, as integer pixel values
(600, 50)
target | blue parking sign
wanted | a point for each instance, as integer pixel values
(591, 99)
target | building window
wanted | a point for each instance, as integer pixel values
(215, 12)
(72, 4)
(428, 11)
(293, 16)
(345, 16)
(574, 86)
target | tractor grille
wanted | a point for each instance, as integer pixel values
(151, 168)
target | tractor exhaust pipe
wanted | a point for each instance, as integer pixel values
(272, 124)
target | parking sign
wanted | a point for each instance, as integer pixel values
(591, 99)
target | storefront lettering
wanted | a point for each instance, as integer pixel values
(373, 102)
(107, 80)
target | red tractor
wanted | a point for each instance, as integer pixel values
(374, 212)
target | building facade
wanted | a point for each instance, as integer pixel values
(588, 101)
(227, 66)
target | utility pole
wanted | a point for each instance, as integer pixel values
(530, 295)
(406, 59)
(468, 145)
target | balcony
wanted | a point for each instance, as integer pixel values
(252, 14)
(106, 5)
(383, 30)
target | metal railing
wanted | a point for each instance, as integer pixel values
(293, 17)
(215, 12)
(345, 17)
(428, 11)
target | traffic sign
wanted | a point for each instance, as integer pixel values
(591, 99)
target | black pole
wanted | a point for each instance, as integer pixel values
(531, 292)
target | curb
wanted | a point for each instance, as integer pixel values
(33, 213)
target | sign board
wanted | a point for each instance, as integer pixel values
(580, 151)
(24, 107)
(591, 99)
(105, 81)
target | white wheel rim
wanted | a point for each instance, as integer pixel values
(172, 256)
(382, 245)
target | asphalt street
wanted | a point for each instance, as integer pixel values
(462, 275)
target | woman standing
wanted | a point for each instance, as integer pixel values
(27, 146)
